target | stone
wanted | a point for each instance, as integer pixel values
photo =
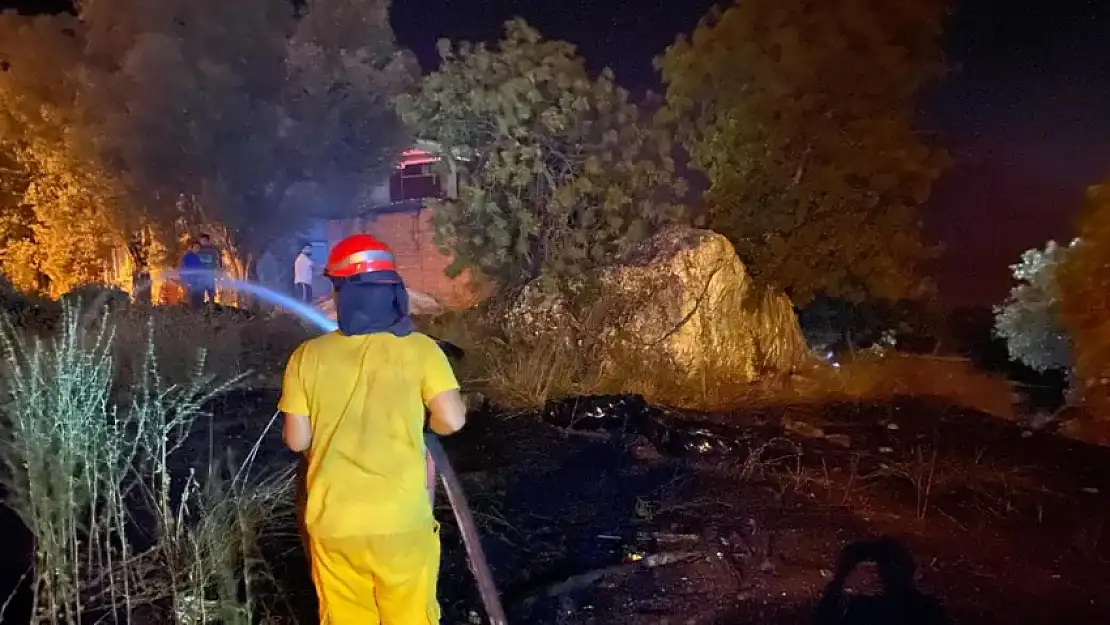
(684, 295)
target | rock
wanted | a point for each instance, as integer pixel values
(683, 295)
(419, 304)
(423, 304)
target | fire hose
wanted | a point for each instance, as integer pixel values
(479, 567)
(475, 556)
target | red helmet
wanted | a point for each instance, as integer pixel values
(362, 255)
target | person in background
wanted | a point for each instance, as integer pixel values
(212, 263)
(303, 268)
(354, 403)
(191, 275)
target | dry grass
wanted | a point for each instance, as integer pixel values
(525, 374)
(231, 343)
(882, 378)
(90, 457)
(513, 375)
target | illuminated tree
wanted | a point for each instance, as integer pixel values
(260, 121)
(236, 115)
(558, 169)
(62, 233)
(1029, 321)
(18, 262)
(1084, 279)
(801, 115)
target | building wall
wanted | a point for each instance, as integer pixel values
(421, 264)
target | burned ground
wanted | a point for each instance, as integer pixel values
(627, 513)
(586, 526)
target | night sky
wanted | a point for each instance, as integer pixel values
(1026, 113)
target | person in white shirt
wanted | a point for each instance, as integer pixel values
(303, 269)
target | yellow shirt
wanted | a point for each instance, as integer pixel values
(365, 397)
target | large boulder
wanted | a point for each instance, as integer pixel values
(683, 295)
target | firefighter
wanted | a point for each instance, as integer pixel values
(354, 403)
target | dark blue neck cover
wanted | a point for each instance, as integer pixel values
(368, 308)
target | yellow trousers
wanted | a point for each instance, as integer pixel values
(385, 579)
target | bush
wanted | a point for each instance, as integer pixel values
(1029, 321)
(577, 357)
(523, 374)
(96, 297)
(88, 466)
(21, 310)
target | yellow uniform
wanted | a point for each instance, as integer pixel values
(373, 539)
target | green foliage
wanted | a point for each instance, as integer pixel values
(1029, 320)
(1084, 282)
(801, 115)
(558, 170)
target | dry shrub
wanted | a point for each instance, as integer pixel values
(569, 361)
(521, 373)
(665, 383)
(510, 374)
(117, 525)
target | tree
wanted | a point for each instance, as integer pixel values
(243, 115)
(801, 116)
(18, 263)
(60, 237)
(558, 170)
(1029, 321)
(177, 113)
(1084, 279)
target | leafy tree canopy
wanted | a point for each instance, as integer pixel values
(558, 169)
(1029, 320)
(1084, 282)
(801, 115)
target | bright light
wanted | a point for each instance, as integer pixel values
(416, 157)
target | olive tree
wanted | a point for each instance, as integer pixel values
(558, 170)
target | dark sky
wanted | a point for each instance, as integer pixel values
(1026, 113)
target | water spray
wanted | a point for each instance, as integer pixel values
(476, 557)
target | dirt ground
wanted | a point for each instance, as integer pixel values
(738, 519)
(1006, 526)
